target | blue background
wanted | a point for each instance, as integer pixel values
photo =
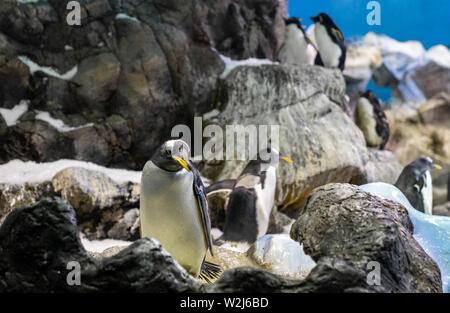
(427, 21)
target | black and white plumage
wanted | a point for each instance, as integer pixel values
(371, 119)
(297, 47)
(174, 208)
(251, 201)
(416, 184)
(330, 41)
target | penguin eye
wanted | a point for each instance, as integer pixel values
(168, 153)
(180, 149)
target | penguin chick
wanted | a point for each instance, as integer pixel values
(296, 48)
(416, 184)
(174, 209)
(370, 118)
(252, 199)
(330, 41)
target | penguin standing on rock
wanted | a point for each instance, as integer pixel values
(370, 118)
(296, 48)
(330, 41)
(174, 208)
(252, 199)
(416, 184)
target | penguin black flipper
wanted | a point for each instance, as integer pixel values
(200, 193)
(318, 60)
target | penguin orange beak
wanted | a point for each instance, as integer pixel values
(437, 166)
(182, 162)
(286, 159)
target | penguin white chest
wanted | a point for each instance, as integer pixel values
(427, 193)
(365, 119)
(170, 213)
(330, 52)
(295, 48)
(265, 200)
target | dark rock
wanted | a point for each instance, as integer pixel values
(344, 228)
(38, 241)
(153, 73)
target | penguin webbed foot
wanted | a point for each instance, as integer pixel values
(210, 271)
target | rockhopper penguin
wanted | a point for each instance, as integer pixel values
(174, 209)
(330, 41)
(416, 184)
(370, 118)
(297, 47)
(252, 199)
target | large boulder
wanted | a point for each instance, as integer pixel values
(349, 232)
(307, 103)
(123, 78)
(142, 267)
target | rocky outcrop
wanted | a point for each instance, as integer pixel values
(345, 230)
(382, 166)
(145, 266)
(31, 263)
(314, 129)
(123, 78)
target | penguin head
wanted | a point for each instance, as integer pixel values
(294, 21)
(411, 175)
(172, 156)
(271, 157)
(323, 19)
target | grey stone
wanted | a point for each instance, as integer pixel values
(344, 228)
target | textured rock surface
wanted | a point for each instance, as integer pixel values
(13, 196)
(135, 77)
(381, 167)
(30, 263)
(344, 228)
(315, 132)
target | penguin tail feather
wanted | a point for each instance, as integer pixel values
(210, 272)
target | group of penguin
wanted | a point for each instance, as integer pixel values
(174, 205)
(298, 48)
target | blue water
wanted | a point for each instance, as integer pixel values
(423, 20)
(432, 232)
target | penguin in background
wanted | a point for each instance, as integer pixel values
(416, 184)
(252, 199)
(371, 119)
(174, 209)
(330, 41)
(297, 47)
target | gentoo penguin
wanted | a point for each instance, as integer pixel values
(370, 118)
(174, 209)
(252, 199)
(416, 184)
(296, 48)
(330, 42)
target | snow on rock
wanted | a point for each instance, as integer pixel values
(439, 54)
(123, 16)
(413, 49)
(99, 246)
(432, 232)
(281, 255)
(11, 116)
(56, 123)
(232, 64)
(34, 67)
(20, 172)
